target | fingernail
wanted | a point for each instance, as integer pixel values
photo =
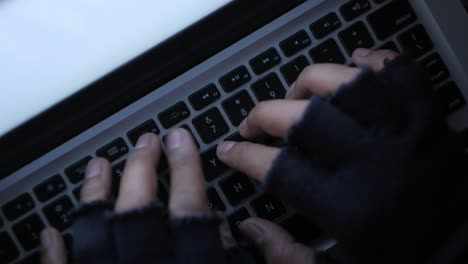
(253, 231)
(224, 147)
(144, 141)
(46, 238)
(361, 52)
(175, 139)
(94, 168)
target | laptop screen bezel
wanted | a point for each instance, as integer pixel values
(136, 79)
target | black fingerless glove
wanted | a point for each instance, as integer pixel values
(146, 236)
(377, 167)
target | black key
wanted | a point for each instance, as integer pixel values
(204, 97)
(325, 25)
(186, 127)
(389, 46)
(236, 137)
(302, 230)
(295, 43)
(238, 107)
(117, 173)
(8, 250)
(57, 213)
(235, 219)
(76, 172)
(356, 36)
(77, 192)
(327, 52)
(147, 127)
(292, 69)
(416, 41)
(214, 201)
(237, 188)
(354, 8)
(235, 79)
(269, 88)
(451, 97)
(212, 166)
(113, 150)
(34, 258)
(50, 188)
(436, 68)
(173, 115)
(265, 61)
(18, 206)
(28, 231)
(210, 125)
(163, 163)
(268, 207)
(391, 18)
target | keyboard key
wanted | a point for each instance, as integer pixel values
(295, 43)
(8, 250)
(57, 213)
(265, 61)
(391, 18)
(174, 115)
(325, 25)
(210, 125)
(114, 150)
(34, 258)
(28, 231)
(76, 172)
(451, 97)
(147, 127)
(237, 188)
(204, 97)
(354, 8)
(235, 219)
(436, 68)
(302, 230)
(77, 192)
(238, 107)
(18, 206)
(50, 188)
(235, 79)
(327, 52)
(268, 207)
(356, 36)
(236, 137)
(214, 201)
(117, 173)
(416, 41)
(269, 88)
(389, 46)
(293, 69)
(212, 166)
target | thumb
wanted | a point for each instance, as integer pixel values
(277, 246)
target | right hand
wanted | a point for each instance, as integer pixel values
(275, 118)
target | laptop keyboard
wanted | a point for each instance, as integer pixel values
(325, 40)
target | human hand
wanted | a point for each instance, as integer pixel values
(188, 209)
(275, 118)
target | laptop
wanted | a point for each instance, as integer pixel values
(80, 80)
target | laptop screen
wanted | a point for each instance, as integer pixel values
(51, 49)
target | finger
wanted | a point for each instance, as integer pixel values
(225, 233)
(98, 180)
(139, 183)
(53, 247)
(321, 80)
(277, 246)
(273, 118)
(252, 159)
(188, 194)
(374, 59)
